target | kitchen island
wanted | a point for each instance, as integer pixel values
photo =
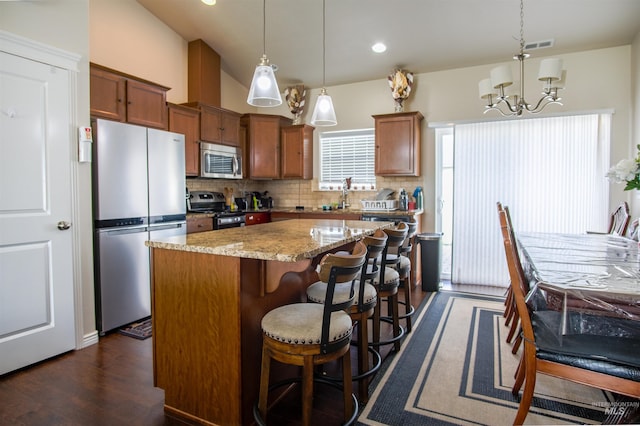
(210, 291)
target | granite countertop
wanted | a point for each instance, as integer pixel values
(285, 241)
(320, 211)
(351, 211)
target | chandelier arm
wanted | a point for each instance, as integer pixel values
(497, 108)
(503, 99)
(513, 110)
(540, 105)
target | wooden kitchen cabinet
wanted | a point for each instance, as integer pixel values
(199, 224)
(257, 218)
(186, 120)
(296, 143)
(397, 146)
(278, 216)
(263, 144)
(121, 97)
(218, 125)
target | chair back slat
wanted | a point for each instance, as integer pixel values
(341, 268)
(375, 245)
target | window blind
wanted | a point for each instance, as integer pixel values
(347, 154)
(549, 171)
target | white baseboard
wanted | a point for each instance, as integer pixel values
(90, 339)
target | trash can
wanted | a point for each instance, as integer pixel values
(430, 259)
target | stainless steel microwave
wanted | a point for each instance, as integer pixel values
(220, 161)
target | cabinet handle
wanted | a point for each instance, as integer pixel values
(119, 100)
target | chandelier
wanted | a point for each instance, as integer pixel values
(493, 89)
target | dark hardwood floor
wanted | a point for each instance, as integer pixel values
(111, 383)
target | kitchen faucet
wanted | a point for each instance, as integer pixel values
(346, 185)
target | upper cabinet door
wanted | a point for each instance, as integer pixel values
(263, 144)
(297, 151)
(398, 144)
(146, 104)
(186, 120)
(107, 95)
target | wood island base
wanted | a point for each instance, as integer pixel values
(207, 340)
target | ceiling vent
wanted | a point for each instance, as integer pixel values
(538, 44)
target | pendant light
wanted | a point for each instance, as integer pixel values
(264, 90)
(323, 113)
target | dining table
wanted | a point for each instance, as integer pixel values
(599, 273)
(593, 281)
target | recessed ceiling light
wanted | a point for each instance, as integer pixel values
(209, 2)
(379, 47)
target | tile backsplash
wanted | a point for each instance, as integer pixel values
(298, 192)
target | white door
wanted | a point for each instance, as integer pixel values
(36, 271)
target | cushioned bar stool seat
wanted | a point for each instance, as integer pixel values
(361, 310)
(310, 334)
(386, 283)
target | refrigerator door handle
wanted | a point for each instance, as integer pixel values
(123, 230)
(167, 226)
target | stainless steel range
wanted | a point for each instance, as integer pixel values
(213, 203)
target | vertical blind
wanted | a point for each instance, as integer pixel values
(347, 154)
(549, 171)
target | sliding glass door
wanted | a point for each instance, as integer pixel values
(549, 171)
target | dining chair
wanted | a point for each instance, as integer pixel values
(510, 314)
(619, 220)
(311, 334)
(605, 362)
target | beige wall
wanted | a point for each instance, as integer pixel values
(125, 36)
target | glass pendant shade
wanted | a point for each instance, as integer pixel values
(264, 90)
(323, 113)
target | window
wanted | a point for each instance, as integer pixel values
(347, 154)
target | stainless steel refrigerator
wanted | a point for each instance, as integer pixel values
(138, 194)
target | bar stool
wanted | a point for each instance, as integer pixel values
(310, 334)
(361, 310)
(404, 266)
(386, 283)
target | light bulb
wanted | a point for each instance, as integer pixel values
(264, 83)
(324, 105)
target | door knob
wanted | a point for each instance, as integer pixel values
(62, 225)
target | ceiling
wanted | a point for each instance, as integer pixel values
(421, 35)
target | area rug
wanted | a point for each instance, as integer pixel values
(456, 368)
(139, 330)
